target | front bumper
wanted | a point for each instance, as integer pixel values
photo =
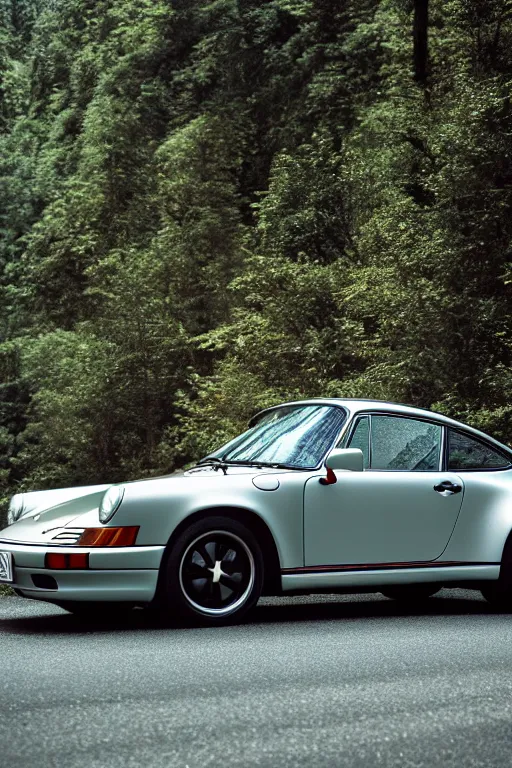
(124, 574)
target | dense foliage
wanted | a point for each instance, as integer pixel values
(209, 206)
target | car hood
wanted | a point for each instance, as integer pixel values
(36, 502)
(65, 512)
(48, 512)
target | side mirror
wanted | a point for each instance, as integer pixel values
(345, 458)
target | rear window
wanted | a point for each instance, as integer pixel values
(466, 452)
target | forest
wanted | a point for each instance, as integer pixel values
(211, 206)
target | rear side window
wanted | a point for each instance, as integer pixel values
(465, 452)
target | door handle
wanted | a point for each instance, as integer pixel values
(448, 488)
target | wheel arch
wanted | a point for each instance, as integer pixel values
(499, 592)
(253, 521)
(506, 554)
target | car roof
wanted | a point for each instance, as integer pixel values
(362, 405)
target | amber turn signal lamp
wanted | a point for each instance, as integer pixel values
(109, 537)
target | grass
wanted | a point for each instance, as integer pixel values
(5, 591)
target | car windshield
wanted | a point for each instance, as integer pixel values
(296, 436)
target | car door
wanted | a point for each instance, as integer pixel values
(401, 508)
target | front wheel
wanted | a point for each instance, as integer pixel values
(214, 573)
(411, 593)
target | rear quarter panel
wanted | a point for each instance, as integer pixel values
(485, 519)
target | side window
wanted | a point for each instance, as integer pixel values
(406, 444)
(466, 453)
(361, 439)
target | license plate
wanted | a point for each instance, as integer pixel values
(6, 566)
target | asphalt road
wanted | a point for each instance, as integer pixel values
(319, 681)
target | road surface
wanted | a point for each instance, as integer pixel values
(319, 681)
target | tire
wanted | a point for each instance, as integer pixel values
(96, 611)
(213, 574)
(411, 593)
(499, 593)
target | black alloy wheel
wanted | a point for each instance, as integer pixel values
(214, 573)
(499, 593)
(217, 572)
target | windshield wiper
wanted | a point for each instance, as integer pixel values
(214, 462)
(262, 464)
(225, 463)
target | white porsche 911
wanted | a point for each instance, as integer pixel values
(320, 495)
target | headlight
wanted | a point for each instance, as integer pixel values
(15, 508)
(110, 502)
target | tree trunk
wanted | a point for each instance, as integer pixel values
(420, 38)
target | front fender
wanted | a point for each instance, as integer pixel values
(159, 506)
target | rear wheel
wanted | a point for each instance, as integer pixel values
(214, 573)
(411, 593)
(499, 593)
